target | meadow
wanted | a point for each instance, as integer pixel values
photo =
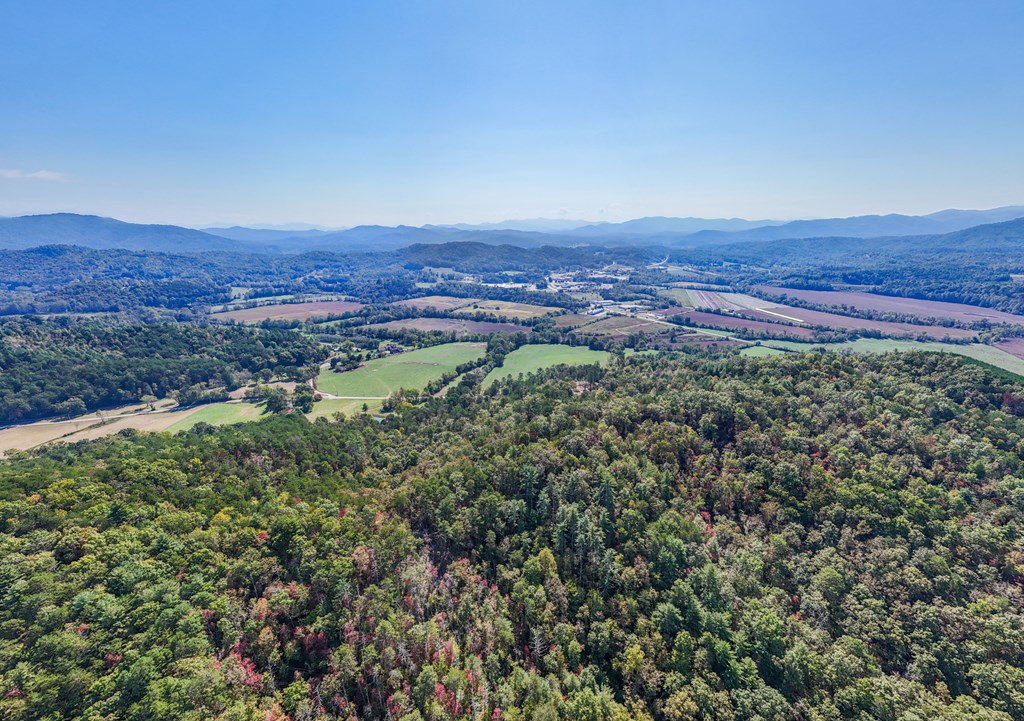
(380, 377)
(532, 358)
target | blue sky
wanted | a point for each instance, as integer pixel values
(433, 111)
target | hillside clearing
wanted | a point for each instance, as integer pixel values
(380, 377)
(532, 358)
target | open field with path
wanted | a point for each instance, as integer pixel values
(289, 311)
(23, 437)
(437, 302)
(380, 377)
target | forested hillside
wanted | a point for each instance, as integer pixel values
(68, 366)
(719, 538)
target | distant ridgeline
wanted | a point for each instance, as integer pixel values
(810, 536)
(70, 263)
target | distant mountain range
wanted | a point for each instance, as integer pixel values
(90, 231)
(263, 235)
(539, 225)
(101, 233)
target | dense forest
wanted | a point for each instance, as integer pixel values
(814, 536)
(69, 366)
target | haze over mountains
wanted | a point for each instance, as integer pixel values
(104, 233)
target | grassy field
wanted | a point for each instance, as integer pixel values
(977, 351)
(380, 377)
(532, 358)
(218, 414)
(508, 309)
(329, 406)
(761, 351)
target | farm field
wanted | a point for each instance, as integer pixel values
(508, 309)
(575, 320)
(718, 300)
(437, 302)
(910, 306)
(378, 378)
(707, 341)
(984, 353)
(31, 435)
(289, 311)
(460, 326)
(621, 326)
(532, 358)
(1013, 346)
(699, 286)
(733, 322)
(843, 322)
(218, 414)
(748, 306)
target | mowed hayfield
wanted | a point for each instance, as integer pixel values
(380, 377)
(219, 414)
(289, 311)
(984, 353)
(508, 309)
(532, 358)
(437, 302)
(890, 304)
(93, 425)
(459, 326)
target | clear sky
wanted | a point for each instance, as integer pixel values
(430, 111)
